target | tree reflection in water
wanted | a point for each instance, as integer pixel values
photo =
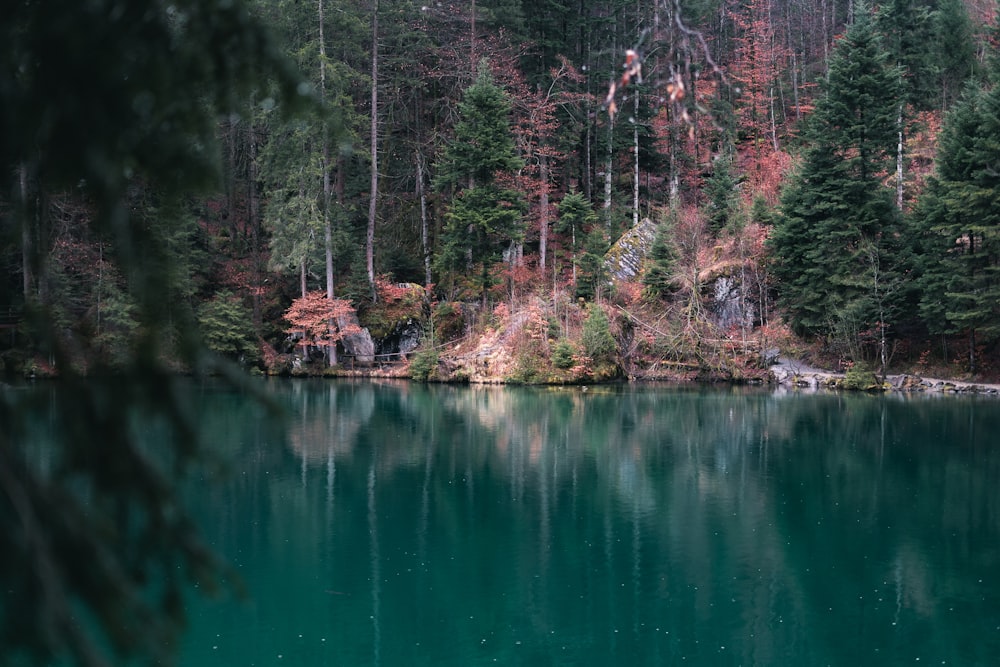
(636, 523)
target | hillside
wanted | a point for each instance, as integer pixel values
(713, 178)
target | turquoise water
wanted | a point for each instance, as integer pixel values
(403, 524)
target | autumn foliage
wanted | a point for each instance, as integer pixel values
(319, 321)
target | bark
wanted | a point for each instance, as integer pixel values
(635, 160)
(373, 198)
(588, 174)
(27, 275)
(424, 236)
(608, 167)
(774, 122)
(327, 189)
(254, 219)
(899, 158)
(972, 351)
(543, 209)
(472, 39)
(231, 175)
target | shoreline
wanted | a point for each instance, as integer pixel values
(811, 378)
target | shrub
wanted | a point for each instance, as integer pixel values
(527, 370)
(423, 365)
(227, 327)
(598, 342)
(449, 321)
(859, 376)
(563, 355)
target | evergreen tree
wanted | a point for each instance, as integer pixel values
(481, 223)
(483, 144)
(722, 207)
(227, 327)
(660, 271)
(953, 49)
(591, 275)
(311, 186)
(597, 340)
(836, 244)
(961, 216)
(908, 29)
(575, 216)
(486, 215)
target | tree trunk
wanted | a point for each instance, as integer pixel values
(674, 170)
(899, 158)
(231, 175)
(472, 40)
(424, 236)
(826, 41)
(774, 122)
(27, 275)
(972, 351)
(327, 189)
(608, 164)
(543, 210)
(254, 218)
(373, 198)
(635, 160)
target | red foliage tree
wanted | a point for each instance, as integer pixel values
(759, 58)
(321, 322)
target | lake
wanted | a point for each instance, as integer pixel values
(405, 524)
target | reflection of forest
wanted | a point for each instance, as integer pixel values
(794, 518)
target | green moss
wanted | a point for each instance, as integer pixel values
(860, 377)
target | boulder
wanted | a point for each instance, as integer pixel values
(624, 260)
(359, 344)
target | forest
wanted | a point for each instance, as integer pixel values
(497, 190)
(546, 191)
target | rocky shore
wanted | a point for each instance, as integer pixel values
(790, 374)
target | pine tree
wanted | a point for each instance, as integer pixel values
(836, 244)
(953, 49)
(102, 100)
(659, 275)
(483, 144)
(227, 327)
(908, 29)
(486, 215)
(576, 215)
(591, 275)
(959, 214)
(721, 189)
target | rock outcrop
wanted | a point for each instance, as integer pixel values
(624, 260)
(360, 344)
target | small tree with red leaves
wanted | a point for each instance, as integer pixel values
(321, 322)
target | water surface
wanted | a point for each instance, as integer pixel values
(403, 524)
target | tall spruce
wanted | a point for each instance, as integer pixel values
(959, 218)
(953, 48)
(836, 245)
(485, 216)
